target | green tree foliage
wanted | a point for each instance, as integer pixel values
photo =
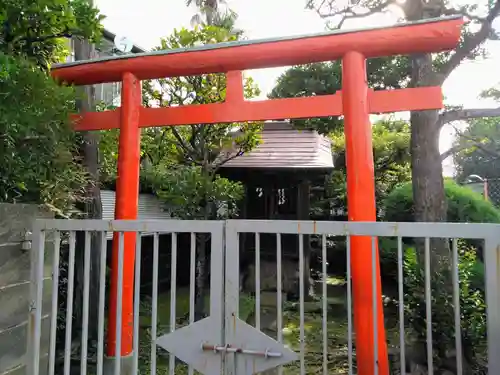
(37, 144)
(391, 142)
(464, 206)
(187, 192)
(214, 13)
(326, 79)
(35, 110)
(200, 146)
(37, 29)
(472, 312)
(478, 149)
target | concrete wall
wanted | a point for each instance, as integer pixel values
(15, 219)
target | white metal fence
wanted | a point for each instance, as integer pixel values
(251, 331)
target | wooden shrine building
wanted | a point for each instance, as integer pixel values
(277, 176)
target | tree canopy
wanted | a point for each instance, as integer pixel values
(39, 29)
(391, 144)
(38, 149)
(214, 13)
(478, 149)
(202, 148)
(40, 152)
(326, 78)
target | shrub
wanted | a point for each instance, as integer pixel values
(472, 309)
(464, 205)
(38, 147)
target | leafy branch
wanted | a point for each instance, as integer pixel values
(328, 9)
(471, 41)
(469, 141)
(466, 114)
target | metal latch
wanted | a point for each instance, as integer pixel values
(26, 241)
(229, 349)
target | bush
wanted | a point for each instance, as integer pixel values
(472, 309)
(38, 146)
(464, 205)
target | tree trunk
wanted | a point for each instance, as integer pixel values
(202, 259)
(92, 207)
(427, 171)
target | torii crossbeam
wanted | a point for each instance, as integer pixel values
(355, 103)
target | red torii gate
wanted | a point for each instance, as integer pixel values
(355, 103)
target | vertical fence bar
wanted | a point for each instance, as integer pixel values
(349, 306)
(257, 281)
(279, 302)
(69, 303)
(102, 303)
(428, 307)
(137, 300)
(192, 280)
(492, 266)
(402, 343)
(325, 305)
(231, 288)
(375, 303)
(154, 303)
(85, 307)
(118, 327)
(456, 307)
(36, 294)
(173, 287)
(217, 286)
(301, 303)
(54, 309)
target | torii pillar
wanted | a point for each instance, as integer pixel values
(355, 103)
(126, 208)
(361, 207)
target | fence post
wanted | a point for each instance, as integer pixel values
(492, 268)
(231, 290)
(36, 301)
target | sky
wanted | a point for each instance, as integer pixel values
(152, 19)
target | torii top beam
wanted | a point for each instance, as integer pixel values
(433, 35)
(231, 58)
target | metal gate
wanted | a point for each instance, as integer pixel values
(224, 342)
